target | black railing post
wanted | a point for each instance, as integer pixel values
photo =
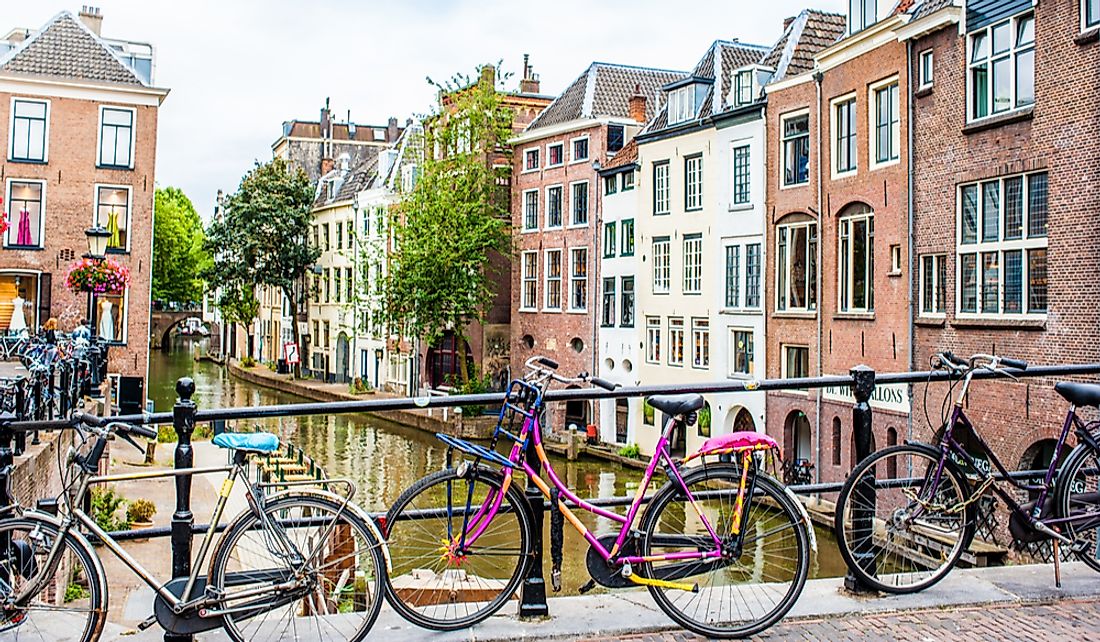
(7, 458)
(183, 420)
(863, 384)
(21, 413)
(532, 597)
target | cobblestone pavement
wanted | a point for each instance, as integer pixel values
(1065, 621)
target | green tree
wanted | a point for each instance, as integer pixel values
(179, 255)
(261, 239)
(449, 228)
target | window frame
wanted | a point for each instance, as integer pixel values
(525, 226)
(863, 21)
(653, 328)
(1085, 15)
(784, 262)
(739, 87)
(607, 305)
(99, 137)
(681, 104)
(851, 140)
(624, 321)
(573, 203)
(561, 207)
(732, 273)
(42, 211)
(547, 279)
(733, 372)
(527, 153)
(573, 149)
(610, 185)
(627, 181)
(549, 162)
(528, 279)
(937, 308)
(125, 319)
(45, 131)
(575, 279)
(926, 76)
(129, 213)
(783, 149)
(693, 201)
(700, 343)
(676, 328)
(886, 86)
(741, 174)
(623, 227)
(610, 239)
(991, 58)
(664, 267)
(846, 263)
(662, 190)
(693, 272)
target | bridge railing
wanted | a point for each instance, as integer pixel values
(861, 380)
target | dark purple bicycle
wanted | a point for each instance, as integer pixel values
(907, 513)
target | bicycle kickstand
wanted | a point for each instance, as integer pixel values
(1057, 564)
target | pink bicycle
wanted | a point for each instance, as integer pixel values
(723, 547)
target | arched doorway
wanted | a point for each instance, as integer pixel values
(443, 364)
(343, 358)
(796, 435)
(741, 421)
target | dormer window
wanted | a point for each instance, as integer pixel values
(681, 104)
(861, 14)
(742, 88)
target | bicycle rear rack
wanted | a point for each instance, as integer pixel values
(517, 408)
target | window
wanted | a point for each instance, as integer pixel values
(653, 339)
(700, 343)
(580, 202)
(616, 137)
(530, 280)
(578, 279)
(741, 352)
(660, 188)
(327, 237)
(933, 284)
(531, 210)
(553, 206)
(752, 275)
(627, 246)
(844, 123)
(29, 130)
(887, 130)
(742, 87)
(925, 70)
(796, 287)
(796, 362)
(610, 184)
(338, 283)
(553, 280)
(675, 342)
(681, 105)
(111, 317)
(339, 235)
(627, 320)
(580, 149)
(26, 213)
(116, 137)
(1090, 10)
(349, 282)
(555, 154)
(608, 320)
(693, 182)
(609, 240)
(895, 259)
(740, 163)
(328, 285)
(693, 263)
(112, 211)
(733, 276)
(628, 181)
(662, 276)
(1002, 246)
(531, 159)
(836, 441)
(857, 259)
(861, 14)
(796, 149)
(1002, 67)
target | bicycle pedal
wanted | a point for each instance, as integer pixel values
(591, 584)
(149, 621)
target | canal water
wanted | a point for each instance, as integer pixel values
(384, 458)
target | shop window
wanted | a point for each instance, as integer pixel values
(113, 213)
(110, 317)
(26, 210)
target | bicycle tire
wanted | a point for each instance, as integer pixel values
(1077, 488)
(341, 586)
(86, 587)
(901, 573)
(770, 509)
(424, 587)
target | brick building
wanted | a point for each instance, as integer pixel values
(838, 234)
(1006, 199)
(555, 195)
(78, 113)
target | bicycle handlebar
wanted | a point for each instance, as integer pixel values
(988, 361)
(544, 368)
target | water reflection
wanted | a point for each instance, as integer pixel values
(384, 458)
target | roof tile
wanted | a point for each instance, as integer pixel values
(65, 48)
(604, 90)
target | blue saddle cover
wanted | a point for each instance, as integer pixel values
(260, 442)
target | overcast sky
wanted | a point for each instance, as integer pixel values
(239, 68)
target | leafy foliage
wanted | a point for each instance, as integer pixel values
(99, 276)
(453, 223)
(179, 254)
(141, 510)
(476, 384)
(105, 505)
(631, 450)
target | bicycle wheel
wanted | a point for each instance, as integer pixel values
(898, 530)
(1078, 496)
(337, 595)
(747, 590)
(73, 606)
(436, 584)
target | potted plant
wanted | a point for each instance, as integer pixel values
(140, 513)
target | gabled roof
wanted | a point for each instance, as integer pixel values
(66, 48)
(604, 90)
(809, 32)
(348, 184)
(928, 7)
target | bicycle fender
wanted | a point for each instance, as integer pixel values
(805, 516)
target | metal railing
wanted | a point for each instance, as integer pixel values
(862, 381)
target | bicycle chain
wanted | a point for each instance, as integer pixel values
(951, 510)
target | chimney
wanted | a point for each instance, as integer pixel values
(637, 105)
(787, 22)
(489, 74)
(529, 84)
(92, 18)
(326, 138)
(326, 165)
(391, 130)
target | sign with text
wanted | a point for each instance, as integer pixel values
(290, 351)
(893, 397)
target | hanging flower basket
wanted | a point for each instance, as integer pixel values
(107, 276)
(4, 225)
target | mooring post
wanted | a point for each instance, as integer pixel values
(863, 384)
(532, 597)
(183, 420)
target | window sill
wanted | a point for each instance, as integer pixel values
(533, 170)
(29, 161)
(930, 322)
(794, 185)
(529, 310)
(578, 312)
(532, 230)
(837, 176)
(854, 316)
(661, 213)
(876, 165)
(624, 255)
(741, 207)
(578, 161)
(794, 315)
(117, 250)
(693, 209)
(1088, 37)
(555, 166)
(999, 120)
(31, 248)
(923, 91)
(577, 226)
(1007, 324)
(741, 311)
(121, 168)
(894, 273)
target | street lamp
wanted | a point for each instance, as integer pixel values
(97, 250)
(97, 241)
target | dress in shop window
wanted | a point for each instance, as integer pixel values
(106, 320)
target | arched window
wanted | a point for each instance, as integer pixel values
(836, 441)
(856, 256)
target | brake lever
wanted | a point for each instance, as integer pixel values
(130, 439)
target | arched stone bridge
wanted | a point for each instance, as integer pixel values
(162, 322)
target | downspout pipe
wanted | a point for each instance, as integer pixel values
(818, 77)
(910, 211)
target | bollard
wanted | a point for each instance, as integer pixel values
(863, 385)
(532, 598)
(183, 420)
